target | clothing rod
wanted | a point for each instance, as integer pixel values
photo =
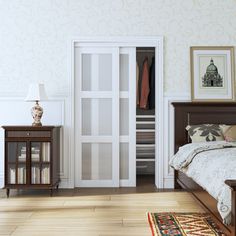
(143, 50)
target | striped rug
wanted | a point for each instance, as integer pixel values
(183, 224)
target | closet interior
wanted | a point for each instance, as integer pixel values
(145, 113)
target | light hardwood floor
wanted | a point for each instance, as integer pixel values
(90, 212)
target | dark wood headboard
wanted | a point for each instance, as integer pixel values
(200, 113)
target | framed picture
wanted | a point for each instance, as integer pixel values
(212, 74)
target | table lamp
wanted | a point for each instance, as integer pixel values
(36, 93)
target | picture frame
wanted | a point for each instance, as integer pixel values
(212, 73)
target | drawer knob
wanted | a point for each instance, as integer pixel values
(28, 133)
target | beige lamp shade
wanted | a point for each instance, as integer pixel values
(36, 92)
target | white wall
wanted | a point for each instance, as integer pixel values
(35, 41)
(35, 35)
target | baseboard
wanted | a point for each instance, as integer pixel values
(1, 180)
(169, 183)
(65, 183)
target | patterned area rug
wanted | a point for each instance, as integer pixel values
(183, 224)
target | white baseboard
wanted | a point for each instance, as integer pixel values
(65, 183)
(169, 183)
(1, 180)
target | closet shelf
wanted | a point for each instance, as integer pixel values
(145, 130)
(145, 116)
(145, 122)
(148, 152)
(145, 145)
(145, 154)
(146, 159)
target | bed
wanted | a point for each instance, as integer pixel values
(204, 113)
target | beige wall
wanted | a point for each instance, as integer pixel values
(35, 35)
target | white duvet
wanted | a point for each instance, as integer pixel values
(209, 164)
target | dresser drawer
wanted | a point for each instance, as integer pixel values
(25, 134)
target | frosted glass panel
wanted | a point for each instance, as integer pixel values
(86, 161)
(124, 116)
(86, 116)
(105, 72)
(86, 72)
(124, 72)
(96, 161)
(96, 72)
(124, 161)
(105, 117)
(96, 116)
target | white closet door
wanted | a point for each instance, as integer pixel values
(97, 116)
(127, 116)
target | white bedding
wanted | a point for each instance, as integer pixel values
(209, 164)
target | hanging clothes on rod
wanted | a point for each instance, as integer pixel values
(152, 85)
(137, 84)
(144, 85)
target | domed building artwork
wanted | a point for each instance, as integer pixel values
(212, 78)
(212, 73)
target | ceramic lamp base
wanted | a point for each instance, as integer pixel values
(37, 113)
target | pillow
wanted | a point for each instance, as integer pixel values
(229, 132)
(204, 133)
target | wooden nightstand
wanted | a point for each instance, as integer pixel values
(32, 157)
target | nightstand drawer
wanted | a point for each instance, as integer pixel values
(25, 134)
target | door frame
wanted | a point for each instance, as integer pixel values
(152, 41)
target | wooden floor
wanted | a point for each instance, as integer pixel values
(90, 212)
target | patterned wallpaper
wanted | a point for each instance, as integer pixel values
(35, 35)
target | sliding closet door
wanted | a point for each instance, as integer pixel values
(127, 69)
(97, 116)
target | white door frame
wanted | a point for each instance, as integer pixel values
(154, 41)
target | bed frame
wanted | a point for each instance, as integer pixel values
(203, 113)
